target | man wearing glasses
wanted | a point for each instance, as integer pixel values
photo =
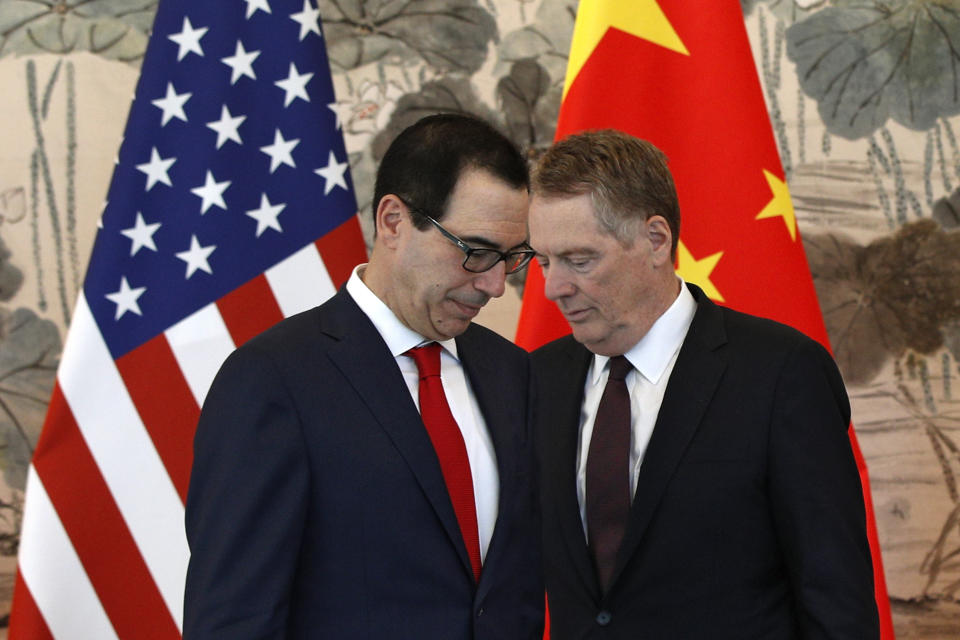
(363, 470)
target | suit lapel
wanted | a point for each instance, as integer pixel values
(692, 383)
(362, 357)
(559, 422)
(492, 391)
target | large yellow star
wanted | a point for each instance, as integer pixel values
(641, 18)
(780, 205)
(698, 271)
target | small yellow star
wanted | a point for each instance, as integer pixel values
(698, 271)
(780, 205)
(641, 18)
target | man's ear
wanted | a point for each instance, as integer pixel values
(661, 240)
(390, 215)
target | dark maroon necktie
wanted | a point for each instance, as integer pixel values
(448, 443)
(608, 475)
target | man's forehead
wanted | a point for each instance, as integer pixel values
(563, 215)
(489, 212)
(555, 205)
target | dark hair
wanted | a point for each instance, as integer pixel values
(423, 163)
(627, 179)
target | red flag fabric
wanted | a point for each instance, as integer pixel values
(685, 79)
(230, 208)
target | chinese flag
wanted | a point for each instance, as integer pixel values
(683, 77)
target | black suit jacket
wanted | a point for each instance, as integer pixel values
(748, 520)
(317, 507)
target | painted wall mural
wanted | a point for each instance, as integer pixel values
(864, 98)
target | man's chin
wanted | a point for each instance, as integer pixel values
(450, 328)
(594, 340)
(583, 334)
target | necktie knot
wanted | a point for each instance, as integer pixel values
(619, 368)
(427, 358)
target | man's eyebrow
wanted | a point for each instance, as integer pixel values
(488, 244)
(573, 251)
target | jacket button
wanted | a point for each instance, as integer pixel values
(603, 618)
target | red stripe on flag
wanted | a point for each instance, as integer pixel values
(165, 404)
(249, 309)
(342, 249)
(97, 530)
(26, 621)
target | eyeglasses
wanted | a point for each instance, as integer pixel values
(478, 260)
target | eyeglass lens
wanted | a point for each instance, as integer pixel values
(481, 260)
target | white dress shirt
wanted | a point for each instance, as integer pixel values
(460, 397)
(652, 359)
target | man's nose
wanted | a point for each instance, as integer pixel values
(492, 282)
(556, 284)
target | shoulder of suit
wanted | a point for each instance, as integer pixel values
(560, 348)
(487, 339)
(764, 333)
(738, 326)
(290, 335)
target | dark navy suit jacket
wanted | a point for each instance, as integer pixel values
(317, 507)
(748, 521)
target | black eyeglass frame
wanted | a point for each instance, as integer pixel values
(525, 255)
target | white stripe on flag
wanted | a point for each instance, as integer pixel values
(300, 281)
(125, 454)
(200, 343)
(52, 571)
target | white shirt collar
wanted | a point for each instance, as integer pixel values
(399, 337)
(651, 355)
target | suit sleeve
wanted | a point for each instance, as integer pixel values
(246, 504)
(817, 500)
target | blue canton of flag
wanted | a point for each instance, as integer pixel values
(231, 161)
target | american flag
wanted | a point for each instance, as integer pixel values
(230, 208)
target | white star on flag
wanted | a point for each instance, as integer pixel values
(338, 110)
(196, 257)
(156, 169)
(266, 215)
(141, 235)
(172, 104)
(308, 19)
(241, 62)
(211, 193)
(126, 298)
(188, 39)
(294, 85)
(253, 5)
(333, 173)
(280, 151)
(227, 127)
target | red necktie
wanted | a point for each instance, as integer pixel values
(608, 475)
(448, 443)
